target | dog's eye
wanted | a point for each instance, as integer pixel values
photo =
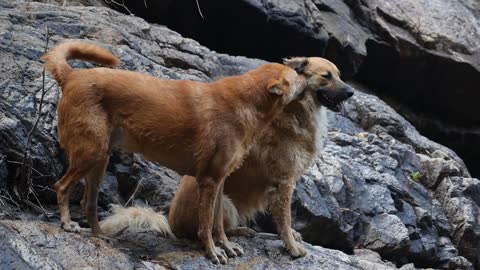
(327, 75)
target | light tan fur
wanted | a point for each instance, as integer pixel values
(266, 180)
(136, 219)
(195, 128)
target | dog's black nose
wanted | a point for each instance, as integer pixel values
(345, 93)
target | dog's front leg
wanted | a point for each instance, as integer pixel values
(208, 190)
(281, 213)
(232, 249)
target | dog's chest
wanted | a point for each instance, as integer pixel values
(313, 137)
(320, 129)
(298, 140)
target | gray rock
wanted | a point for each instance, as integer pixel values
(369, 175)
(460, 198)
(435, 169)
(387, 235)
(38, 245)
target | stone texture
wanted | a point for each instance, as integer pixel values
(38, 245)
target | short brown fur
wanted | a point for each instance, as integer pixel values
(195, 128)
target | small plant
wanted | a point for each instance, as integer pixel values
(414, 177)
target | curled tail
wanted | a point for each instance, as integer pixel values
(56, 59)
(135, 219)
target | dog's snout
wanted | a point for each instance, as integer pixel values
(345, 93)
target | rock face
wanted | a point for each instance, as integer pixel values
(379, 190)
(419, 54)
(39, 245)
(382, 185)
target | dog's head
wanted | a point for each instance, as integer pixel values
(322, 77)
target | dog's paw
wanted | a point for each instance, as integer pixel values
(231, 248)
(237, 248)
(297, 236)
(71, 226)
(297, 250)
(217, 255)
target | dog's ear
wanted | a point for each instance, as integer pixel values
(275, 87)
(297, 63)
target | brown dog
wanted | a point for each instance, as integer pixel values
(266, 179)
(195, 128)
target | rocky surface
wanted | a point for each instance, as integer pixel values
(380, 191)
(39, 245)
(423, 55)
(384, 187)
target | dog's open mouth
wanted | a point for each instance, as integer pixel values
(333, 101)
(341, 108)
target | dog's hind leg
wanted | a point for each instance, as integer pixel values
(87, 147)
(63, 188)
(281, 213)
(94, 180)
(83, 202)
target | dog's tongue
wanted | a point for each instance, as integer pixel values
(342, 109)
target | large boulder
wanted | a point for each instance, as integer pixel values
(378, 184)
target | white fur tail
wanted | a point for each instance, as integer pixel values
(135, 219)
(231, 217)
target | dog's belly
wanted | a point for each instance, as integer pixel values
(178, 161)
(170, 155)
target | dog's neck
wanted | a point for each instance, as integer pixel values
(302, 118)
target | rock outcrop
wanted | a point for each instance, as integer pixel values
(39, 245)
(380, 190)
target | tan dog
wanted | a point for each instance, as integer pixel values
(266, 179)
(194, 128)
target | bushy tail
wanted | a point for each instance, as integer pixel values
(135, 219)
(231, 218)
(56, 59)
